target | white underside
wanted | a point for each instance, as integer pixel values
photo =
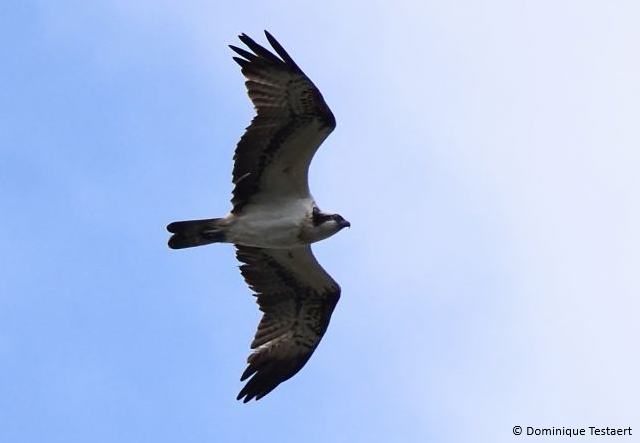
(275, 226)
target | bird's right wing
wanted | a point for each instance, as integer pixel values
(297, 297)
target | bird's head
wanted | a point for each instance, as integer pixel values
(339, 221)
(328, 224)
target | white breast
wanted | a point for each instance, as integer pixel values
(276, 225)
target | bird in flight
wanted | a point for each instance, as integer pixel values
(275, 218)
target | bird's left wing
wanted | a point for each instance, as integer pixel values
(297, 297)
(292, 120)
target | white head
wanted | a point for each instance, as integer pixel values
(325, 224)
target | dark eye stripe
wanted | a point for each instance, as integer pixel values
(319, 218)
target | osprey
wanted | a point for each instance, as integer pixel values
(274, 218)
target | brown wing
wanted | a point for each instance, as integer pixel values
(297, 297)
(273, 156)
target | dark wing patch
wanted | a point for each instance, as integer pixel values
(273, 156)
(297, 297)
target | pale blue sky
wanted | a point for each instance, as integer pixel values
(487, 155)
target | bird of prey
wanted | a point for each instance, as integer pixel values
(274, 218)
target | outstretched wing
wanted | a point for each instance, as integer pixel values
(297, 298)
(273, 156)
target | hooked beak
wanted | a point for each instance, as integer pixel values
(345, 224)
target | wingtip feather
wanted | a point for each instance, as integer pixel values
(242, 62)
(275, 44)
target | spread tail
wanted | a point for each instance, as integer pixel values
(187, 234)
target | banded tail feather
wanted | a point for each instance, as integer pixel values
(190, 233)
